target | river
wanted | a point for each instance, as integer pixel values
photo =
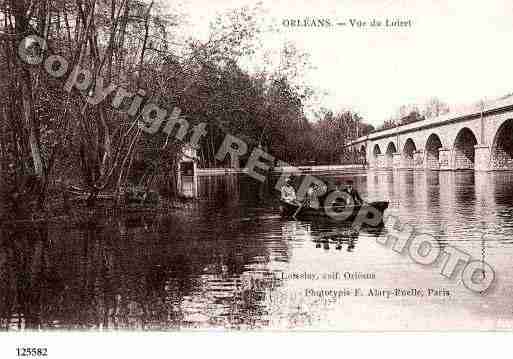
(229, 261)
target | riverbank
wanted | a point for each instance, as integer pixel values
(78, 213)
(288, 169)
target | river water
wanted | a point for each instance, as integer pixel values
(229, 261)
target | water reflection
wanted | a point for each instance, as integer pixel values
(221, 262)
(126, 276)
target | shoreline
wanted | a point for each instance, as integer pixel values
(288, 169)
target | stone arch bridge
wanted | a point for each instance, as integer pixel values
(476, 139)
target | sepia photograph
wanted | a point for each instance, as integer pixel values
(238, 166)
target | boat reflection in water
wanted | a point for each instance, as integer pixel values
(327, 234)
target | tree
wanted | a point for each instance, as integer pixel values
(435, 107)
(54, 140)
(411, 113)
(332, 133)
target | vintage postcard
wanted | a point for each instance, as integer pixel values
(255, 166)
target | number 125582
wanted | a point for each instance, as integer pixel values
(32, 352)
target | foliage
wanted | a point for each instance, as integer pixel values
(65, 143)
(407, 114)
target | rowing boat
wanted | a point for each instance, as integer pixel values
(369, 213)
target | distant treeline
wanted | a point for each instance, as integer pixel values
(407, 114)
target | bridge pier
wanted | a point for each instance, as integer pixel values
(445, 159)
(380, 161)
(389, 161)
(407, 163)
(448, 160)
(396, 160)
(482, 160)
(418, 160)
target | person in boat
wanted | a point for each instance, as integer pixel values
(353, 193)
(312, 199)
(329, 189)
(288, 193)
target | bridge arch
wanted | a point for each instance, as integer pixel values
(363, 154)
(376, 151)
(391, 149)
(433, 144)
(502, 148)
(408, 149)
(464, 149)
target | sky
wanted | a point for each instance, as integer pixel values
(458, 51)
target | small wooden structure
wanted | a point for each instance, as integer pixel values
(188, 173)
